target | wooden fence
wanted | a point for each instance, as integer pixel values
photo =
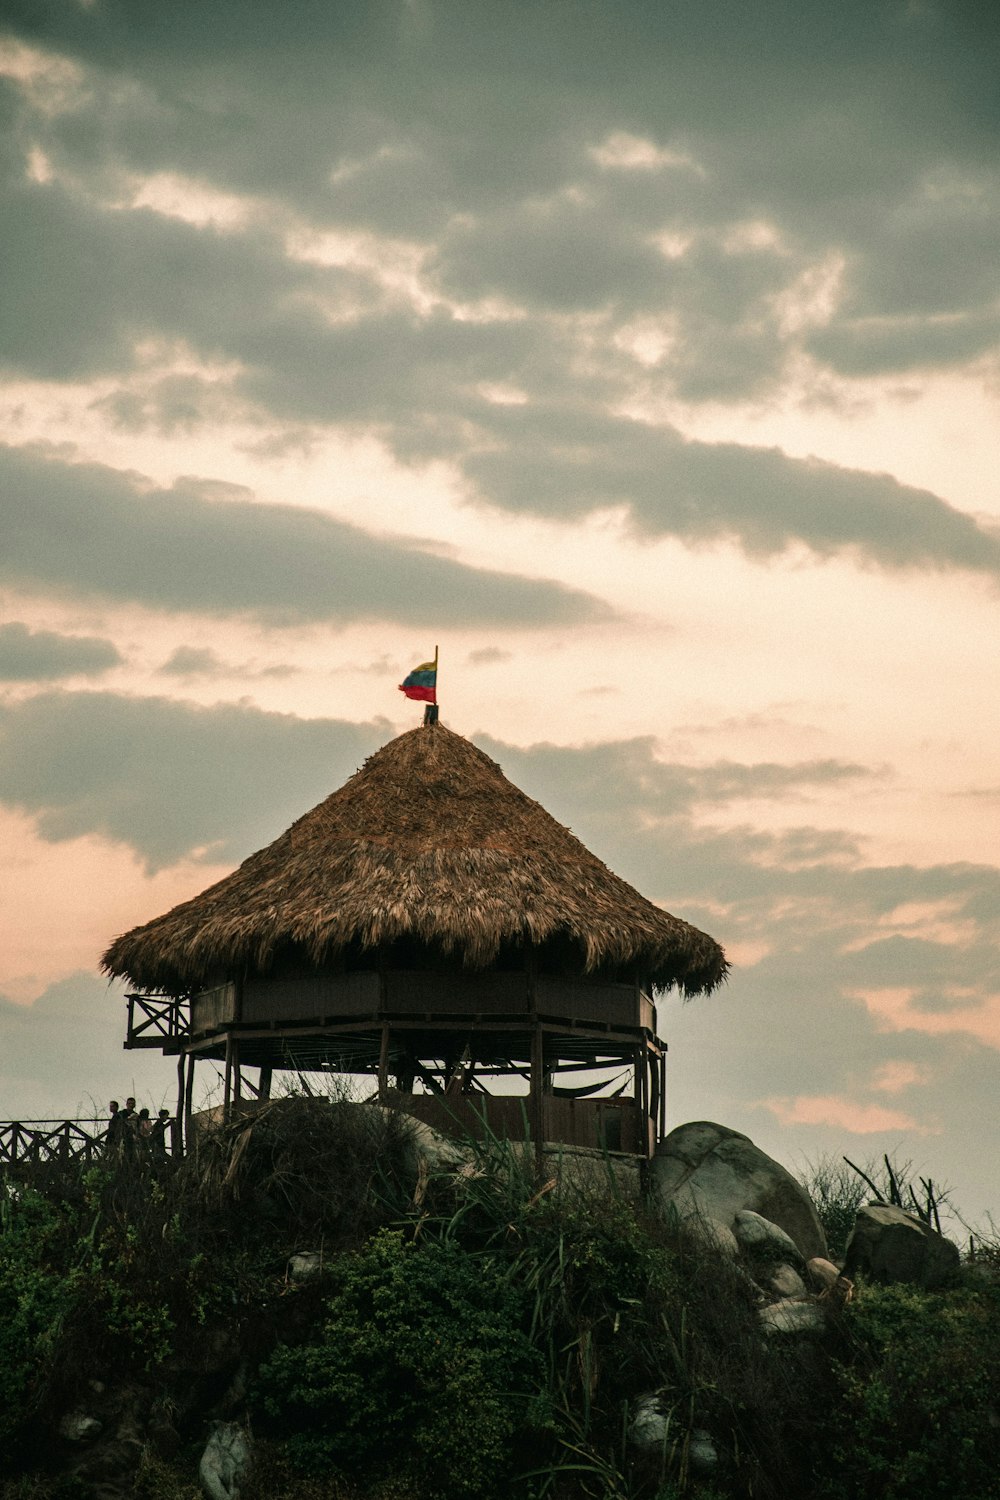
(154, 1020)
(30, 1141)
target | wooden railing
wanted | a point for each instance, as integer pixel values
(155, 1019)
(30, 1141)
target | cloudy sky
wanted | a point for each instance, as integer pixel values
(642, 356)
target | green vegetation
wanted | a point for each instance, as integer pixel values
(918, 1396)
(492, 1339)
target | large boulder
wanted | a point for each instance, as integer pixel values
(225, 1462)
(707, 1171)
(888, 1244)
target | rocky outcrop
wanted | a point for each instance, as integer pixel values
(707, 1170)
(225, 1462)
(888, 1244)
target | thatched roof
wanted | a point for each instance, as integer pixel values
(429, 840)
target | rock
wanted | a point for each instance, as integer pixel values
(439, 1152)
(78, 1427)
(707, 1169)
(792, 1317)
(305, 1266)
(822, 1273)
(650, 1426)
(225, 1461)
(711, 1232)
(888, 1244)
(703, 1456)
(754, 1232)
(785, 1281)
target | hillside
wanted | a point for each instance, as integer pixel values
(368, 1326)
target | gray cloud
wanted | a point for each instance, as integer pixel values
(170, 778)
(193, 661)
(61, 1057)
(43, 655)
(619, 775)
(86, 530)
(202, 661)
(788, 142)
(488, 656)
(473, 132)
(566, 463)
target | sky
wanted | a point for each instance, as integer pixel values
(643, 358)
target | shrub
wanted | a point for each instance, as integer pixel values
(837, 1192)
(303, 1170)
(838, 1188)
(919, 1395)
(422, 1370)
(35, 1297)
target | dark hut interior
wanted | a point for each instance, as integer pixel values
(431, 926)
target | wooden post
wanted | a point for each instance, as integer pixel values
(237, 1072)
(177, 1133)
(227, 1085)
(536, 1101)
(189, 1103)
(383, 1063)
(264, 1082)
(663, 1095)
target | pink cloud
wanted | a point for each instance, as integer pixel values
(896, 1075)
(844, 1114)
(969, 1011)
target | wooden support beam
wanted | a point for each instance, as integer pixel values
(663, 1096)
(264, 1082)
(189, 1103)
(227, 1085)
(178, 1130)
(383, 1064)
(536, 1101)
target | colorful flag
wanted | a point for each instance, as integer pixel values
(421, 682)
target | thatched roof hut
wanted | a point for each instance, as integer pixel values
(428, 841)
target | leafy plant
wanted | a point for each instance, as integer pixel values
(35, 1298)
(919, 1391)
(422, 1368)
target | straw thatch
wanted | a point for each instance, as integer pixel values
(429, 841)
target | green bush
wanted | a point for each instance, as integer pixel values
(422, 1370)
(919, 1398)
(35, 1297)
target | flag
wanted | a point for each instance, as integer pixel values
(421, 682)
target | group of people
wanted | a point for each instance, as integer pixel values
(134, 1133)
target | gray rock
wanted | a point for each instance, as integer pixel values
(225, 1461)
(887, 1244)
(785, 1281)
(78, 1427)
(711, 1232)
(305, 1266)
(792, 1317)
(754, 1232)
(703, 1456)
(649, 1430)
(710, 1170)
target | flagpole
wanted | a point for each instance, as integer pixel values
(431, 710)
